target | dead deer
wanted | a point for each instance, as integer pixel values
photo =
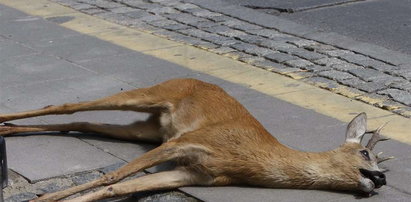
(214, 140)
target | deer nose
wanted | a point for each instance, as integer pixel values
(380, 180)
(377, 177)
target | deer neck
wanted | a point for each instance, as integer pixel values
(307, 170)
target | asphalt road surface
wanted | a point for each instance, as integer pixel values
(382, 22)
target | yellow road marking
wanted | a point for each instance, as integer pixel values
(292, 91)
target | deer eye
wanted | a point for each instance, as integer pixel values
(365, 154)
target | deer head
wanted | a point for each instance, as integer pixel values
(363, 161)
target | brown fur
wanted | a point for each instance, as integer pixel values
(213, 138)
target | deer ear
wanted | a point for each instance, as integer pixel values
(356, 128)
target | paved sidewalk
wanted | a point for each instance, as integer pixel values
(359, 71)
(42, 63)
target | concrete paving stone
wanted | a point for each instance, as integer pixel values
(11, 49)
(403, 85)
(254, 39)
(301, 43)
(122, 10)
(132, 3)
(184, 39)
(220, 19)
(280, 57)
(299, 63)
(185, 18)
(198, 33)
(328, 61)
(119, 18)
(162, 10)
(137, 14)
(152, 18)
(217, 29)
(345, 66)
(368, 87)
(232, 33)
(105, 4)
(303, 53)
(252, 49)
(205, 13)
(398, 95)
(169, 3)
(336, 75)
(355, 58)
(380, 66)
(144, 5)
(162, 23)
(31, 154)
(175, 27)
(321, 48)
(82, 6)
(211, 37)
(205, 24)
(338, 52)
(81, 47)
(316, 68)
(276, 45)
(368, 74)
(184, 6)
(269, 33)
(239, 24)
(36, 68)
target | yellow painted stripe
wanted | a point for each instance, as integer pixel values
(295, 92)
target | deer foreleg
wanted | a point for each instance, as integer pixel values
(157, 181)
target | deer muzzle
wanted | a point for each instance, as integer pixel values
(377, 177)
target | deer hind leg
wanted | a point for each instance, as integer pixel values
(148, 130)
(158, 181)
(167, 151)
(141, 100)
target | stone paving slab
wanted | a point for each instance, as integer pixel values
(41, 157)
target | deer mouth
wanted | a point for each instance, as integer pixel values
(377, 177)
